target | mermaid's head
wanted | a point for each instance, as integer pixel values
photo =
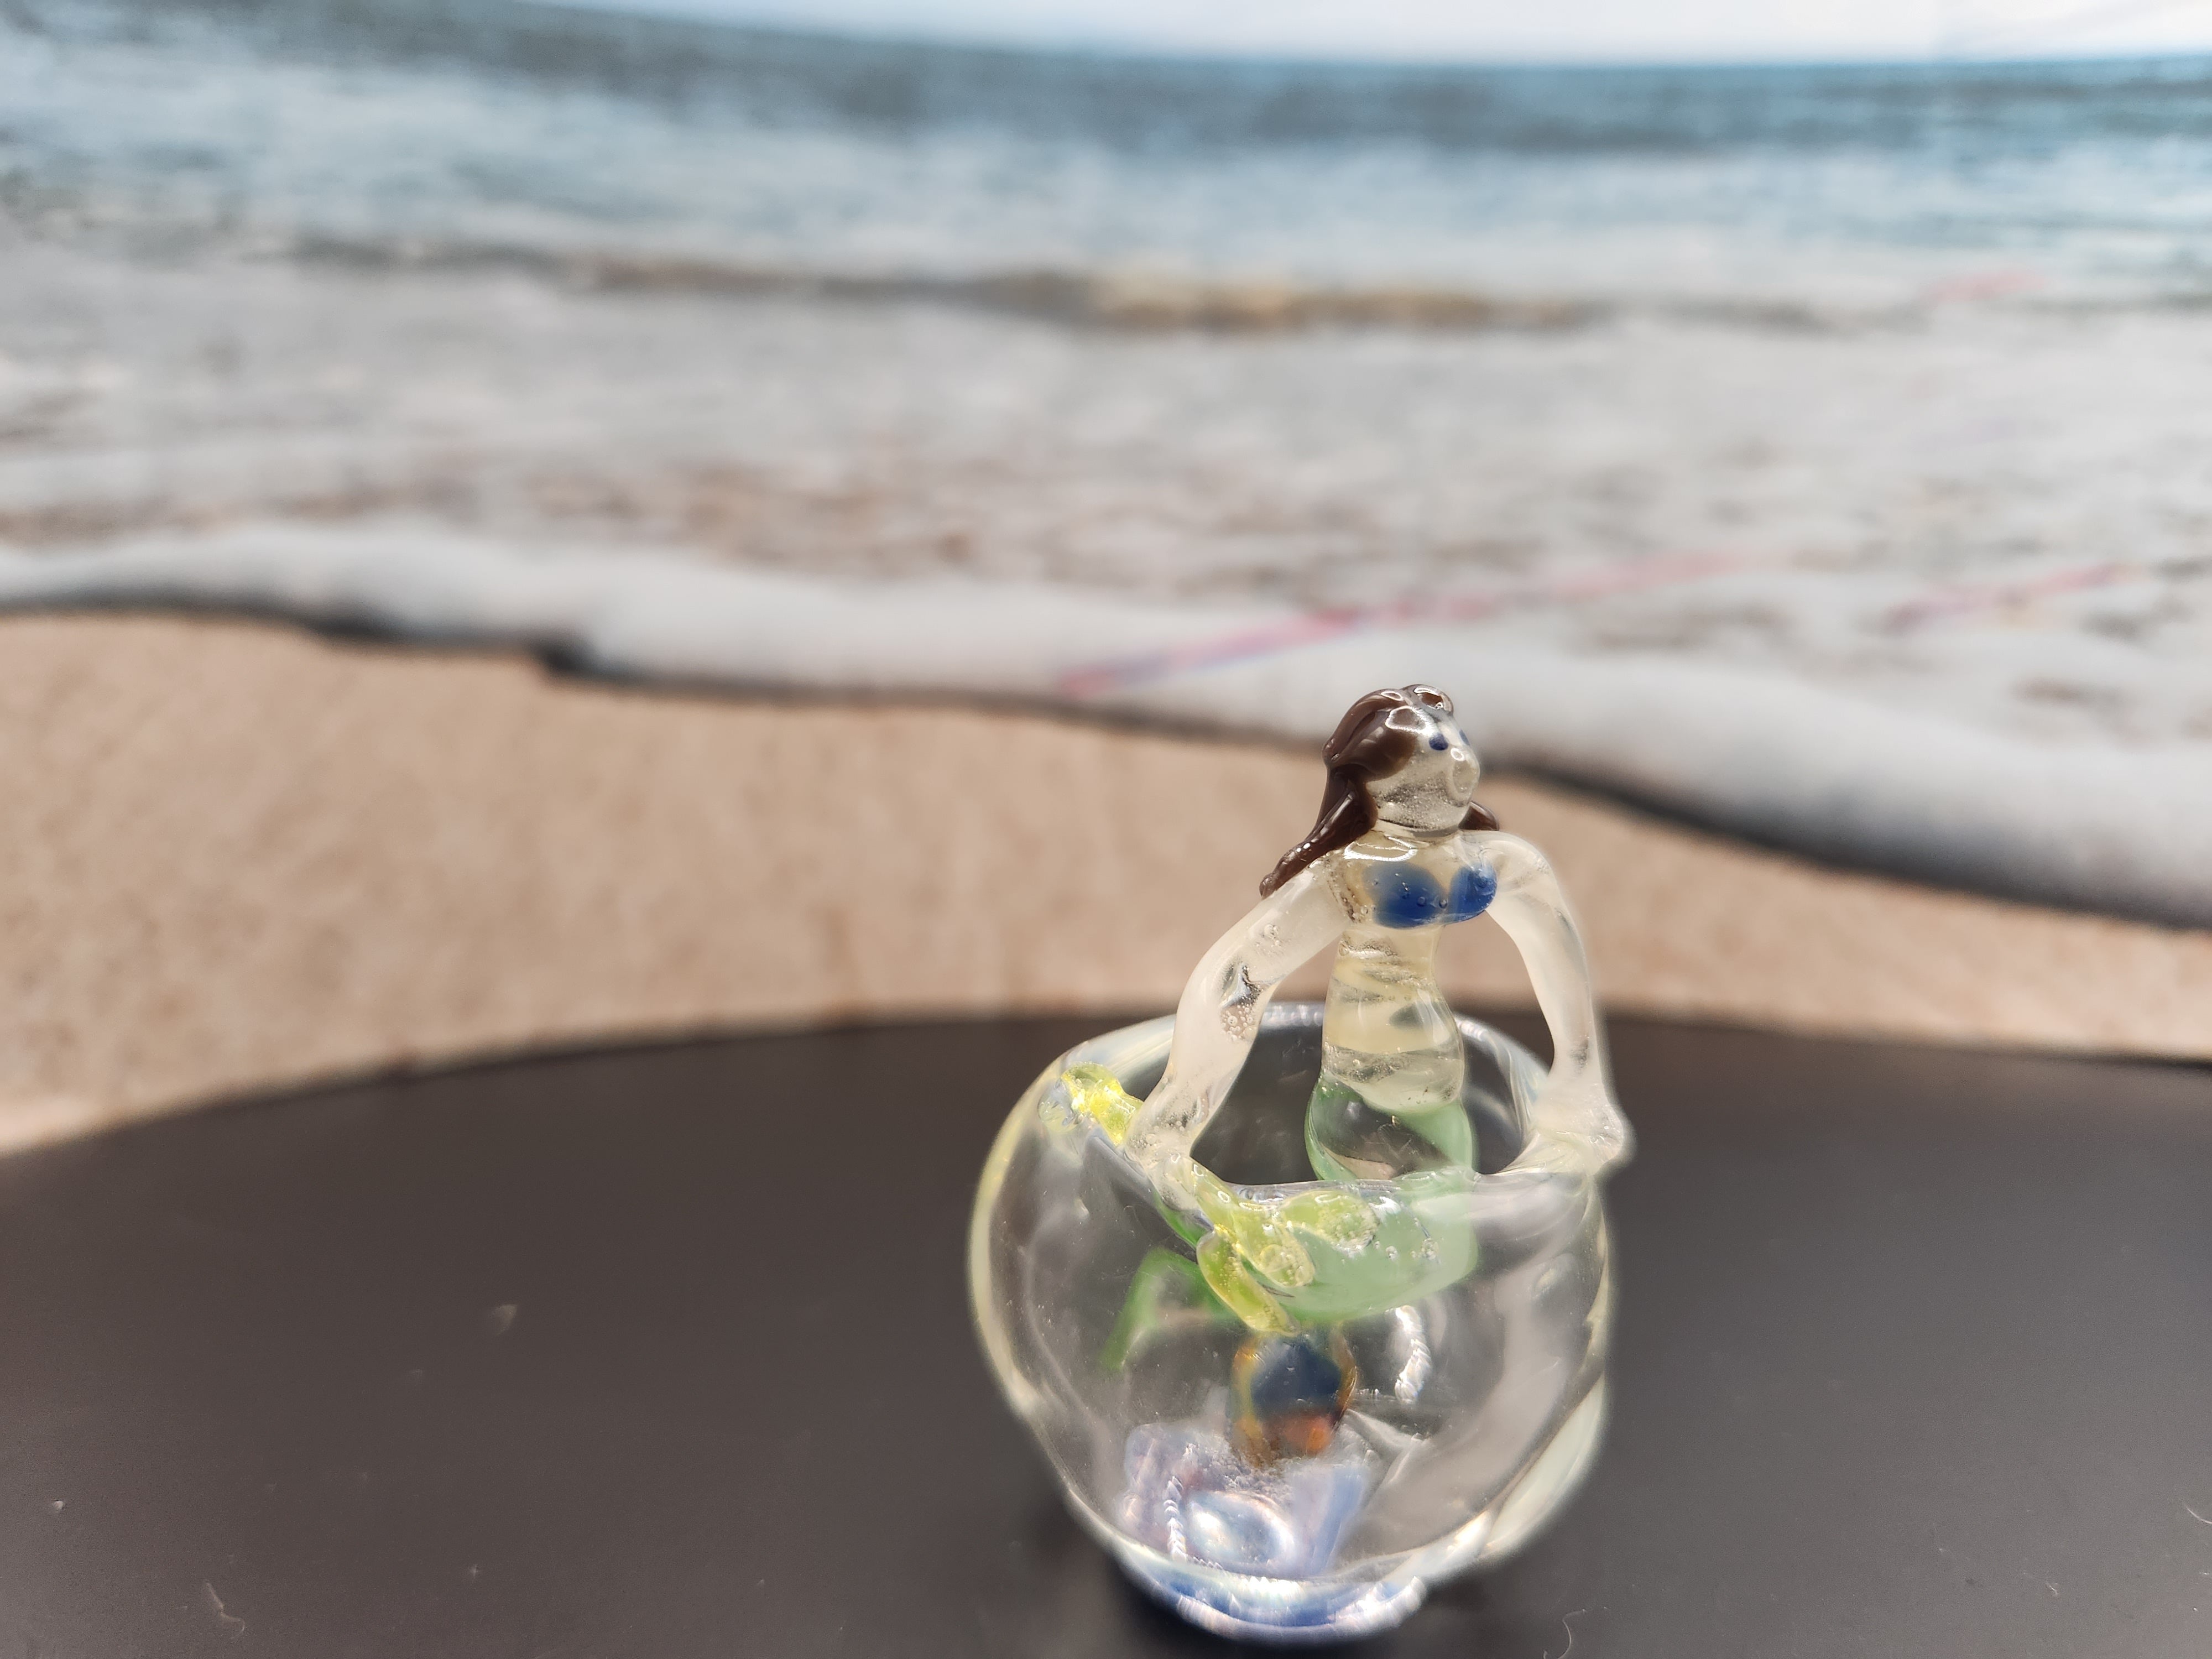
(1398, 757)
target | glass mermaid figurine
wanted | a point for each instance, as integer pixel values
(1456, 1320)
(1399, 851)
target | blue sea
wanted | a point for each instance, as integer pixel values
(428, 131)
(1861, 388)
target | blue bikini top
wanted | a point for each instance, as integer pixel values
(1407, 895)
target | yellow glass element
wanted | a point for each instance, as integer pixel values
(1229, 1280)
(1260, 1239)
(1264, 1232)
(1098, 1095)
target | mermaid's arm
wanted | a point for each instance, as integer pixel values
(1218, 1018)
(1575, 1108)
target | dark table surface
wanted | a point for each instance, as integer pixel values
(666, 1353)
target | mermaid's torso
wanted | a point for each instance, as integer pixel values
(1391, 1066)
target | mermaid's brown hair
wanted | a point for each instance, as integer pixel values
(1377, 735)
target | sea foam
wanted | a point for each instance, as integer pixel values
(2098, 826)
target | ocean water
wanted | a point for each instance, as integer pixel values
(634, 150)
(1849, 395)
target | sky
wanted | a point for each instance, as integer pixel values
(1517, 30)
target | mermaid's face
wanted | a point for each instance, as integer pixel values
(1435, 787)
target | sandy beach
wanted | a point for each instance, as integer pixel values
(243, 857)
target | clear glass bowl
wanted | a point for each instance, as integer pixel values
(1213, 1461)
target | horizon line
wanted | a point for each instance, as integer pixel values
(1135, 49)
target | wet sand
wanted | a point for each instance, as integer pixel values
(241, 857)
